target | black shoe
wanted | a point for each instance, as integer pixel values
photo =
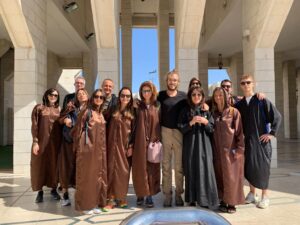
(192, 204)
(55, 195)
(149, 202)
(39, 197)
(140, 201)
(178, 200)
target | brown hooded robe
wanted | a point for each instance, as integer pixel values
(118, 164)
(46, 130)
(146, 175)
(89, 137)
(228, 136)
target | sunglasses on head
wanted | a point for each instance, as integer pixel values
(53, 95)
(99, 97)
(125, 96)
(225, 86)
(246, 82)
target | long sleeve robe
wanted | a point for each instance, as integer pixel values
(229, 137)
(118, 164)
(89, 137)
(200, 181)
(46, 130)
(255, 117)
(67, 158)
(146, 175)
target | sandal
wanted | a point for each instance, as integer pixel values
(231, 209)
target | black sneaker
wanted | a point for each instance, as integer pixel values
(39, 197)
(55, 195)
(140, 201)
(149, 202)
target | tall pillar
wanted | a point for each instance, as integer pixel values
(188, 23)
(289, 94)
(108, 66)
(163, 42)
(29, 37)
(235, 72)
(126, 43)
(298, 101)
(203, 70)
(88, 72)
(53, 70)
(107, 39)
(279, 100)
(258, 45)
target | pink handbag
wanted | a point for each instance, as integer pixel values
(154, 152)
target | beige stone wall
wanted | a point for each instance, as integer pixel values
(6, 97)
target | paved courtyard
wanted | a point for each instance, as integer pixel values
(17, 200)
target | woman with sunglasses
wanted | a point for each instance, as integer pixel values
(145, 174)
(46, 135)
(196, 126)
(66, 163)
(119, 149)
(89, 136)
(228, 152)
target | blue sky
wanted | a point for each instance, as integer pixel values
(145, 58)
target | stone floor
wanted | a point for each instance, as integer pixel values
(17, 200)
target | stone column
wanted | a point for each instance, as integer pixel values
(289, 94)
(262, 22)
(279, 100)
(30, 80)
(108, 66)
(107, 39)
(235, 72)
(53, 70)
(126, 43)
(163, 42)
(298, 101)
(203, 70)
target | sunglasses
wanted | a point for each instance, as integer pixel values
(246, 82)
(225, 86)
(53, 95)
(194, 95)
(146, 91)
(99, 97)
(125, 96)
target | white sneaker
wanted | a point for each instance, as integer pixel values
(65, 202)
(250, 198)
(88, 212)
(264, 203)
(97, 211)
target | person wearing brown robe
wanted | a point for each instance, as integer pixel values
(146, 175)
(89, 137)
(119, 149)
(66, 157)
(46, 133)
(228, 148)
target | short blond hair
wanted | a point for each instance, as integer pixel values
(247, 76)
(174, 71)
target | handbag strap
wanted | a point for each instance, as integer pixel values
(147, 124)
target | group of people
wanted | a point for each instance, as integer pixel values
(93, 144)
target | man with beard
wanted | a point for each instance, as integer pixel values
(111, 99)
(171, 101)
